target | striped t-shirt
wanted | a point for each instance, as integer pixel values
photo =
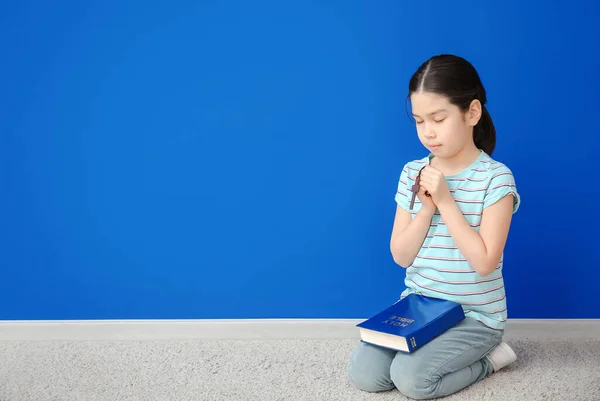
(440, 270)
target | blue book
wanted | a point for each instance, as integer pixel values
(411, 322)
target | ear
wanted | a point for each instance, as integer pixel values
(474, 113)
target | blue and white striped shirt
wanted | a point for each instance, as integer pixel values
(440, 270)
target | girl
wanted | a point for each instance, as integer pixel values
(451, 240)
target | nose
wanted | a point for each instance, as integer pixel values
(429, 132)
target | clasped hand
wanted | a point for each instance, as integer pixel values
(434, 183)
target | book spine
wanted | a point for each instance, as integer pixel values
(435, 328)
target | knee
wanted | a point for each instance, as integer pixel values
(368, 369)
(362, 379)
(410, 378)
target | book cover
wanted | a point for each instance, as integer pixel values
(411, 322)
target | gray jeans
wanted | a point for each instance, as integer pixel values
(447, 364)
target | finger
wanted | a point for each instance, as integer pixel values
(427, 180)
(425, 173)
(432, 178)
(432, 169)
(431, 172)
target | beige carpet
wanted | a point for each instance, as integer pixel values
(548, 369)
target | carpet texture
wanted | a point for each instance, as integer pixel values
(551, 369)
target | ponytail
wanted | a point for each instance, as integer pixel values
(484, 133)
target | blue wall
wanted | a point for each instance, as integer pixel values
(240, 159)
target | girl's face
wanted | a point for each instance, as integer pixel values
(442, 127)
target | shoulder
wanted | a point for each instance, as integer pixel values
(499, 181)
(494, 170)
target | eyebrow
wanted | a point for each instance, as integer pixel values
(432, 113)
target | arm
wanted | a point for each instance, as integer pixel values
(408, 234)
(482, 250)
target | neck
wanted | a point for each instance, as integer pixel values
(455, 164)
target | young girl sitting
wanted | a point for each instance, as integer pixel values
(451, 241)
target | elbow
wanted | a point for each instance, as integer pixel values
(485, 269)
(401, 260)
(402, 263)
(484, 272)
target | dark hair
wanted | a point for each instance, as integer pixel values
(455, 78)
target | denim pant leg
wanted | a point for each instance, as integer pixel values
(447, 364)
(369, 368)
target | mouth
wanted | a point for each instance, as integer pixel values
(434, 146)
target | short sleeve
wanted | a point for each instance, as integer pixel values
(403, 192)
(502, 184)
